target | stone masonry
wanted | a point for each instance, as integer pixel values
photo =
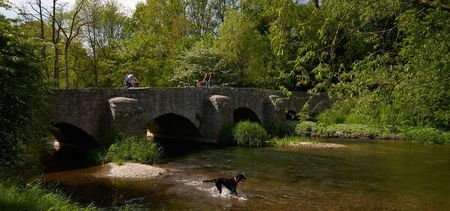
(101, 112)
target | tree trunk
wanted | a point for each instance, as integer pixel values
(94, 51)
(316, 3)
(41, 20)
(56, 66)
(66, 64)
(55, 39)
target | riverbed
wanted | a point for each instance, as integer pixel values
(364, 175)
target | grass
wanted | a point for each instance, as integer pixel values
(250, 134)
(355, 131)
(34, 196)
(133, 149)
(425, 135)
(415, 134)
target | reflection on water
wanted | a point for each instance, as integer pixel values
(366, 175)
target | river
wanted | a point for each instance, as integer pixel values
(365, 175)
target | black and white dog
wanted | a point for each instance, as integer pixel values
(230, 184)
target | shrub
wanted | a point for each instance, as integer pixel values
(250, 134)
(426, 135)
(306, 128)
(287, 128)
(134, 149)
(336, 114)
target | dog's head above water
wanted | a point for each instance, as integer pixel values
(240, 177)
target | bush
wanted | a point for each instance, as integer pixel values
(287, 128)
(250, 134)
(134, 149)
(306, 128)
(426, 135)
(336, 114)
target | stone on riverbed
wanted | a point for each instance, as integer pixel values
(316, 145)
(132, 171)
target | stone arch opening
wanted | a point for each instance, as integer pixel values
(292, 115)
(245, 114)
(70, 145)
(172, 126)
(69, 136)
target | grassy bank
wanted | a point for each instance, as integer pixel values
(414, 134)
(34, 196)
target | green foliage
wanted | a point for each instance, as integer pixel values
(21, 93)
(34, 196)
(240, 42)
(405, 84)
(200, 59)
(337, 114)
(383, 62)
(306, 128)
(353, 131)
(426, 135)
(250, 134)
(134, 149)
(287, 128)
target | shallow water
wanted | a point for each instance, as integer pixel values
(365, 175)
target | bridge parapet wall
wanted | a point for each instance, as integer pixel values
(103, 111)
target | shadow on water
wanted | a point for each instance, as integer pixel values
(177, 147)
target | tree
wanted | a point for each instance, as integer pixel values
(55, 41)
(195, 62)
(21, 96)
(241, 43)
(70, 30)
(157, 35)
(103, 32)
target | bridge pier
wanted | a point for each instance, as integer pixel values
(218, 113)
(274, 113)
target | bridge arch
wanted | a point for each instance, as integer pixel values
(173, 126)
(72, 137)
(245, 114)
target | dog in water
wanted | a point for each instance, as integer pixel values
(230, 184)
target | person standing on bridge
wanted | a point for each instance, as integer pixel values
(130, 80)
(207, 79)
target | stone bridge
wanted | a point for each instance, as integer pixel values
(90, 116)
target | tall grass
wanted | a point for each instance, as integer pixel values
(34, 196)
(426, 135)
(134, 149)
(250, 134)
